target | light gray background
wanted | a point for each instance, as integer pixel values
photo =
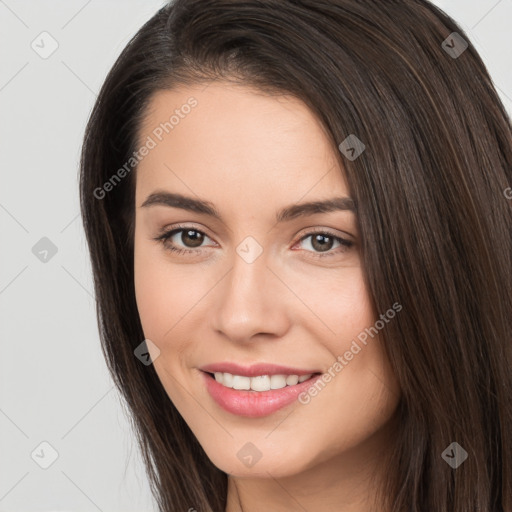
(54, 385)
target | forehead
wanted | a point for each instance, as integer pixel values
(223, 138)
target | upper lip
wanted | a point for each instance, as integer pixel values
(255, 370)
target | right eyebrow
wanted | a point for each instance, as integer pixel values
(179, 201)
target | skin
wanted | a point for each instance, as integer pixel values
(250, 155)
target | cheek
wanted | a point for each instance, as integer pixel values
(155, 290)
(361, 384)
(337, 302)
(169, 297)
(163, 298)
(151, 295)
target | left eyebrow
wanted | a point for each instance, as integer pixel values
(291, 212)
(314, 207)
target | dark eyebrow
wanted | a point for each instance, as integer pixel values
(325, 206)
(290, 212)
(183, 202)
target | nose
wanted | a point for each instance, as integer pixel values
(251, 301)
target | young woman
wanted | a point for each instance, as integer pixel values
(301, 238)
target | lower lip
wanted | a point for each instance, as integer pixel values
(254, 404)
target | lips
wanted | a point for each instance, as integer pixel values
(255, 404)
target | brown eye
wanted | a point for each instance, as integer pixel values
(183, 240)
(191, 237)
(321, 242)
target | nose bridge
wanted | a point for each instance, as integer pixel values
(247, 301)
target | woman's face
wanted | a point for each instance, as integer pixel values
(254, 285)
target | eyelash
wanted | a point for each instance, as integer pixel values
(165, 237)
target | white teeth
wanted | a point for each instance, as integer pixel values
(259, 383)
(291, 380)
(227, 379)
(240, 382)
(277, 381)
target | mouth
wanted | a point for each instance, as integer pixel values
(257, 396)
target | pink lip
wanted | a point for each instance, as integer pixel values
(255, 369)
(254, 404)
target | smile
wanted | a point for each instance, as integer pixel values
(257, 396)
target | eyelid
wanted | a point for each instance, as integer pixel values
(182, 227)
(345, 243)
(328, 231)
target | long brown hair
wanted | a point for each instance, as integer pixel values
(434, 219)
